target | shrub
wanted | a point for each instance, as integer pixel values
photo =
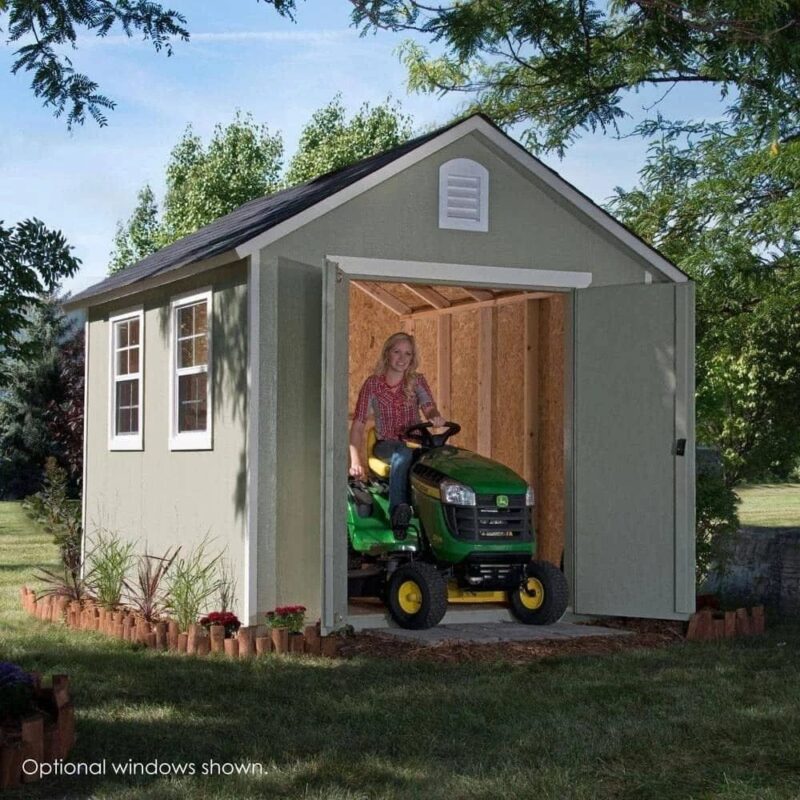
(146, 593)
(717, 518)
(111, 559)
(191, 583)
(226, 586)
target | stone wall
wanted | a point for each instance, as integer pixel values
(763, 568)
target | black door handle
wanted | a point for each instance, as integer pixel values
(680, 447)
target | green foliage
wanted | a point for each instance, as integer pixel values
(330, 141)
(33, 384)
(242, 161)
(191, 584)
(723, 204)
(110, 561)
(47, 26)
(33, 260)
(147, 593)
(226, 586)
(140, 236)
(717, 521)
(562, 66)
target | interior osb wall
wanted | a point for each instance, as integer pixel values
(371, 323)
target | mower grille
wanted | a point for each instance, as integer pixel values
(488, 522)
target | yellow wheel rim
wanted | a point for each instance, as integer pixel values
(531, 594)
(409, 597)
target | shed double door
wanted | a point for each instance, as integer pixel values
(633, 457)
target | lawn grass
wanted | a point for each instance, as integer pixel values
(689, 721)
(770, 505)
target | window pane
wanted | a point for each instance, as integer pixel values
(122, 334)
(186, 353)
(201, 350)
(122, 362)
(133, 359)
(185, 321)
(201, 317)
(133, 331)
(192, 402)
(127, 407)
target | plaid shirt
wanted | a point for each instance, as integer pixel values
(393, 411)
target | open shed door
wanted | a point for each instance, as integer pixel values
(335, 315)
(633, 548)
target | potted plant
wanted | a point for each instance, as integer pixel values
(286, 622)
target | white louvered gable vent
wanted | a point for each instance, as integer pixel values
(464, 195)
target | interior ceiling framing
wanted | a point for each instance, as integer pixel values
(414, 300)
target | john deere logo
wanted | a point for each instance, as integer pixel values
(502, 501)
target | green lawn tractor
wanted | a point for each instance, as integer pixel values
(471, 538)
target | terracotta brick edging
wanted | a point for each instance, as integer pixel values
(44, 735)
(253, 641)
(709, 625)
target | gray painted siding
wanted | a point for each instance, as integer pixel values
(158, 497)
(528, 225)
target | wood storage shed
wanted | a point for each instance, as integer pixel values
(222, 370)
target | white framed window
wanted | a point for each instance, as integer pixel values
(126, 373)
(190, 372)
(464, 195)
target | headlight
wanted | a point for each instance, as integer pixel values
(456, 493)
(529, 499)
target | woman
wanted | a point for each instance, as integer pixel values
(395, 393)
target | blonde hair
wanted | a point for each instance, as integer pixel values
(410, 377)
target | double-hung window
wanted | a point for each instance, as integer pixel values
(190, 372)
(127, 384)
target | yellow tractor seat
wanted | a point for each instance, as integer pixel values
(380, 468)
(376, 466)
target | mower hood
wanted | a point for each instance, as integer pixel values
(480, 474)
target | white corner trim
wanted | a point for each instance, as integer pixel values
(190, 440)
(125, 441)
(84, 496)
(253, 434)
(463, 274)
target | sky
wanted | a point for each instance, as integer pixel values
(242, 56)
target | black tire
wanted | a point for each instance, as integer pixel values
(551, 606)
(428, 604)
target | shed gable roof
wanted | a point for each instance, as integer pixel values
(265, 219)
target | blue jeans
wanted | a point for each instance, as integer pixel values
(398, 456)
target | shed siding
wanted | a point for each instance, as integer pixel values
(529, 225)
(157, 497)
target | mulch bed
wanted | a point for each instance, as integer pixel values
(646, 633)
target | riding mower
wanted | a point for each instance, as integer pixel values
(470, 538)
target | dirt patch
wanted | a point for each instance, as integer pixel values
(646, 633)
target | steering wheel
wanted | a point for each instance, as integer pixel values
(420, 433)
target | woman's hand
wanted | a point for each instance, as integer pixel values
(357, 471)
(438, 421)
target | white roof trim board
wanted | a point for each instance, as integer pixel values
(429, 145)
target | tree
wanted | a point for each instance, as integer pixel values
(562, 66)
(34, 384)
(33, 260)
(48, 26)
(242, 161)
(140, 236)
(329, 141)
(726, 209)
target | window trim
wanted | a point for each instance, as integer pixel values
(189, 440)
(465, 167)
(124, 441)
